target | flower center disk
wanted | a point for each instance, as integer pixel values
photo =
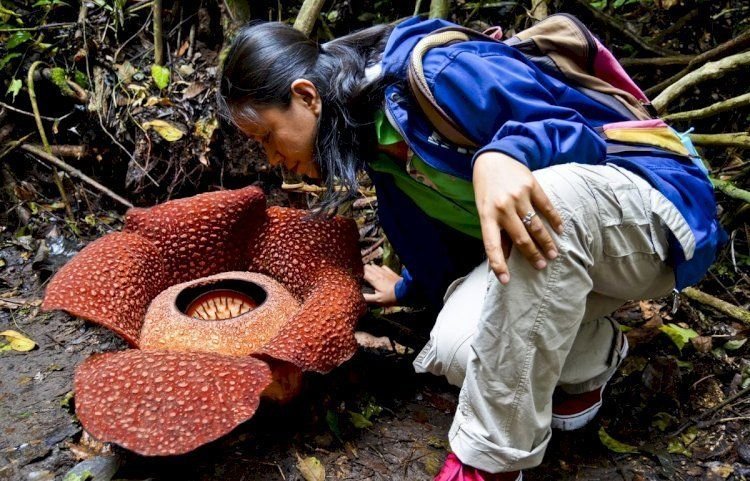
(220, 304)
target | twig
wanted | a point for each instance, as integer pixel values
(622, 29)
(702, 415)
(731, 190)
(724, 307)
(76, 151)
(158, 37)
(30, 114)
(709, 71)
(308, 13)
(43, 135)
(738, 43)
(734, 139)
(659, 61)
(74, 172)
(38, 27)
(729, 104)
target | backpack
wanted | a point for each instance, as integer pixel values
(560, 46)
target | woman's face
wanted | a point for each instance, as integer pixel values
(288, 134)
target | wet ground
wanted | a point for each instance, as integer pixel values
(410, 414)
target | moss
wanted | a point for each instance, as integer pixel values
(59, 77)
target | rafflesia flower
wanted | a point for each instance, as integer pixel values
(222, 301)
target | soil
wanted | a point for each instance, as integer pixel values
(41, 438)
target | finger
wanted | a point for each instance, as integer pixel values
(543, 206)
(371, 298)
(542, 237)
(523, 241)
(370, 273)
(493, 248)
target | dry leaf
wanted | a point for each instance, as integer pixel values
(183, 48)
(167, 130)
(193, 90)
(17, 341)
(311, 468)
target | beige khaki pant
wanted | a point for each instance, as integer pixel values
(509, 346)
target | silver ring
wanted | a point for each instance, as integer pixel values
(527, 218)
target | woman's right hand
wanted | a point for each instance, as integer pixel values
(384, 281)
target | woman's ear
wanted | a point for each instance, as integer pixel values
(303, 90)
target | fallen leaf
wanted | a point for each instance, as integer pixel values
(734, 344)
(167, 130)
(17, 341)
(183, 48)
(679, 335)
(359, 421)
(186, 70)
(702, 344)
(614, 445)
(311, 468)
(193, 90)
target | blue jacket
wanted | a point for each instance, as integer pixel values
(510, 106)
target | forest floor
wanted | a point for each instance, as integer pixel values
(678, 409)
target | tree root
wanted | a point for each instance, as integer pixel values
(734, 139)
(729, 104)
(709, 71)
(731, 190)
(742, 41)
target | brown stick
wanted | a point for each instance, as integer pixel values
(623, 30)
(724, 307)
(729, 104)
(75, 151)
(735, 139)
(739, 43)
(675, 27)
(41, 154)
(709, 71)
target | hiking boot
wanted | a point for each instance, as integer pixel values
(455, 470)
(574, 411)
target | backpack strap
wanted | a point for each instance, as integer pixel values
(439, 119)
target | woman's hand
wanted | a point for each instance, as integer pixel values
(383, 280)
(506, 192)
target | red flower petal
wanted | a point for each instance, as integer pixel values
(321, 335)
(202, 235)
(110, 282)
(293, 248)
(160, 403)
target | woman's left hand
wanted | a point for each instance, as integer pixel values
(506, 192)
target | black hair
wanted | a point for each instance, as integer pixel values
(266, 57)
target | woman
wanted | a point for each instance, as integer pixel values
(568, 230)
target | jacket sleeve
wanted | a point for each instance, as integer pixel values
(508, 106)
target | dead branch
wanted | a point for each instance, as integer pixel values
(708, 412)
(731, 190)
(440, 8)
(623, 30)
(709, 71)
(72, 151)
(41, 154)
(729, 104)
(734, 139)
(307, 16)
(724, 307)
(739, 43)
(658, 61)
